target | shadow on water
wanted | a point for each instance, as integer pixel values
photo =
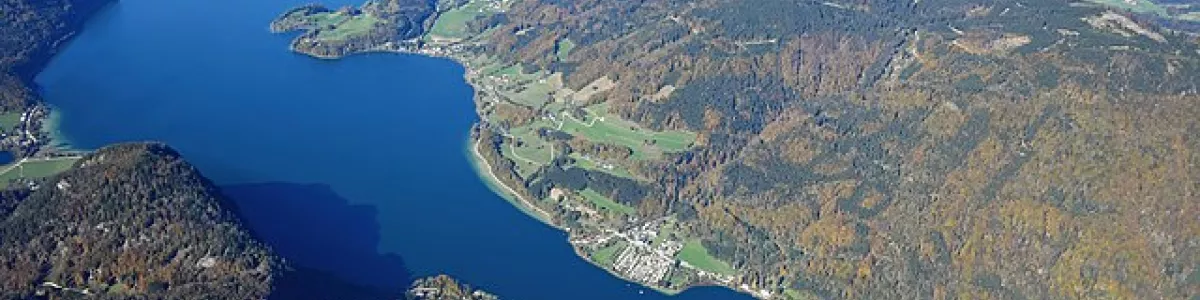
(332, 242)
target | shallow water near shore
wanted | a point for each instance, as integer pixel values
(355, 166)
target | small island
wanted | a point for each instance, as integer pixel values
(444, 287)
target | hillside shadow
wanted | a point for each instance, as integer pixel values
(330, 241)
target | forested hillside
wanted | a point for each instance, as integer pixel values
(132, 220)
(853, 149)
(30, 33)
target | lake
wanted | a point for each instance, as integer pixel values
(356, 166)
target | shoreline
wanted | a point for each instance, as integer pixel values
(490, 179)
(493, 182)
(488, 175)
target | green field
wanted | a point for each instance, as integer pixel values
(453, 23)
(696, 255)
(611, 129)
(356, 25)
(533, 152)
(321, 20)
(532, 149)
(592, 166)
(511, 71)
(605, 203)
(524, 167)
(9, 120)
(605, 256)
(530, 90)
(34, 169)
(564, 49)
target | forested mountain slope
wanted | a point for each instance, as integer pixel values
(848, 149)
(30, 32)
(865, 149)
(132, 220)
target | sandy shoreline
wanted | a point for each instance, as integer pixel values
(483, 168)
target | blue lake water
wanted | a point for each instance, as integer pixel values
(356, 166)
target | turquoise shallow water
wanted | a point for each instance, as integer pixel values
(355, 166)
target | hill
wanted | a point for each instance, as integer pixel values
(847, 149)
(133, 220)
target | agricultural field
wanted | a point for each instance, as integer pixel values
(604, 203)
(525, 167)
(696, 255)
(591, 164)
(326, 19)
(452, 24)
(564, 49)
(531, 90)
(605, 255)
(38, 168)
(352, 26)
(600, 127)
(9, 120)
(527, 148)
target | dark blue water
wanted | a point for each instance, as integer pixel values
(356, 166)
(6, 157)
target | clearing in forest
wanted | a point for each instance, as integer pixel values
(604, 203)
(696, 255)
(453, 24)
(352, 26)
(600, 127)
(35, 168)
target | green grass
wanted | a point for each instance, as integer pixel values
(453, 23)
(524, 168)
(34, 169)
(530, 90)
(535, 94)
(356, 25)
(696, 255)
(536, 153)
(9, 120)
(532, 147)
(592, 166)
(613, 130)
(321, 20)
(605, 203)
(605, 256)
(564, 49)
(512, 70)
